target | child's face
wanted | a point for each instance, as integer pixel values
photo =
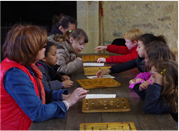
(130, 44)
(51, 58)
(77, 45)
(141, 49)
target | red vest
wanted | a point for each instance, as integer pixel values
(12, 116)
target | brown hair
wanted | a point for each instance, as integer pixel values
(77, 34)
(23, 42)
(170, 82)
(157, 51)
(132, 34)
(62, 20)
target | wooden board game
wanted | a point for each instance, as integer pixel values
(98, 83)
(93, 57)
(105, 105)
(94, 70)
(115, 126)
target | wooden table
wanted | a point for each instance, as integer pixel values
(142, 120)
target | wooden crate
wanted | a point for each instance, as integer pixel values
(113, 126)
(94, 70)
(98, 83)
(86, 58)
(105, 105)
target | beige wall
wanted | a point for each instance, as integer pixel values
(157, 17)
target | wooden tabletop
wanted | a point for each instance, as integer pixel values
(142, 120)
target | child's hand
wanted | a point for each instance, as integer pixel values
(101, 60)
(65, 77)
(77, 94)
(100, 48)
(100, 73)
(156, 78)
(79, 58)
(144, 85)
(67, 83)
(132, 81)
(138, 79)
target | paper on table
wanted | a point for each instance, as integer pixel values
(93, 64)
(104, 76)
(100, 96)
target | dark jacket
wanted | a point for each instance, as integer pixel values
(138, 62)
(152, 101)
(50, 78)
(55, 30)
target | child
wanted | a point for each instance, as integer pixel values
(50, 79)
(61, 24)
(129, 51)
(143, 40)
(68, 46)
(154, 51)
(23, 96)
(162, 95)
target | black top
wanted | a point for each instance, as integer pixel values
(138, 62)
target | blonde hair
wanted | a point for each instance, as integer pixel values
(132, 34)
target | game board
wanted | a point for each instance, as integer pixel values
(105, 105)
(98, 83)
(113, 126)
(93, 57)
(94, 70)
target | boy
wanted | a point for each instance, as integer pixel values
(129, 51)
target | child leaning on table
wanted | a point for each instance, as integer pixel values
(162, 95)
(143, 40)
(23, 96)
(128, 52)
(50, 78)
(153, 52)
(68, 46)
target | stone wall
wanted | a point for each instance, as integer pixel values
(156, 17)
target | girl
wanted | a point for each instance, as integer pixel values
(68, 46)
(143, 40)
(23, 96)
(61, 24)
(154, 51)
(50, 79)
(162, 95)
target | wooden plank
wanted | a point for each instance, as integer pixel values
(86, 58)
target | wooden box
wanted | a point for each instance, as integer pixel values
(98, 83)
(94, 70)
(86, 58)
(105, 105)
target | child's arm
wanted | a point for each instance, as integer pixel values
(127, 56)
(152, 102)
(100, 48)
(67, 66)
(118, 49)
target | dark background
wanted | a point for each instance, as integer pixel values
(33, 12)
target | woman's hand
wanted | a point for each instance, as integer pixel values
(67, 83)
(100, 73)
(101, 60)
(77, 94)
(100, 48)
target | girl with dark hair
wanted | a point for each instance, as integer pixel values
(68, 46)
(50, 78)
(162, 95)
(61, 24)
(143, 41)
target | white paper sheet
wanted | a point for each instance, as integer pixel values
(88, 96)
(104, 76)
(93, 64)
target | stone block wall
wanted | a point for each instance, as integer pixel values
(156, 17)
